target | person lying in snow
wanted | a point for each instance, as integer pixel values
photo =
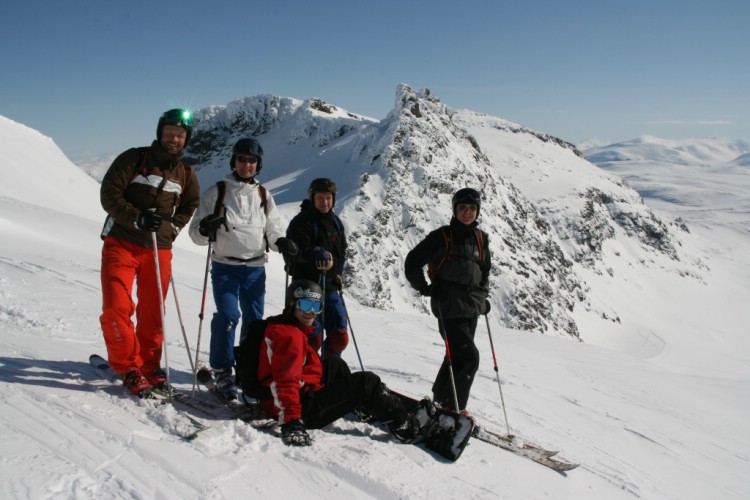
(309, 393)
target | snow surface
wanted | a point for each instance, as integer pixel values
(660, 413)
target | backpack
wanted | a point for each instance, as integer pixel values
(187, 174)
(246, 358)
(434, 270)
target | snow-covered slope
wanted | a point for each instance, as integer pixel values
(36, 171)
(653, 407)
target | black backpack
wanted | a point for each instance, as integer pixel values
(247, 356)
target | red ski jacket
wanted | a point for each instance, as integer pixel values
(291, 366)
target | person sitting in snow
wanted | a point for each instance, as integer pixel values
(310, 393)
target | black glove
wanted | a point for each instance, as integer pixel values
(287, 247)
(322, 258)
(294, 434)
(148, 221)
(487, 307)
(425, 290)
(209, 225)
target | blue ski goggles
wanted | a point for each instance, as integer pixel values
(307, 305)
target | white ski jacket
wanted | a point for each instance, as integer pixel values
(248, 232)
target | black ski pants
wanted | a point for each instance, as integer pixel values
(465, 361)
(344, 392)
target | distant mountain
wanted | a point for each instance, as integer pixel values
(556, 221)
(702, 180)
(709, 152)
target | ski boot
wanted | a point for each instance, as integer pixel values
(225, 384)
(137, 384)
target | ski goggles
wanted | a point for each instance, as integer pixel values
(309, 305)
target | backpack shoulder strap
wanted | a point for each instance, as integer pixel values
(221, 190)
(263, 198)
(448, 241)
(187, 174)
(138, 166)
(479, 234)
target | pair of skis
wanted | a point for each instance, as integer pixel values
(193, 426)
(252, 415)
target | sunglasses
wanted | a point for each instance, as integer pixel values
(307, 305)
(247, 159)
(462, 206)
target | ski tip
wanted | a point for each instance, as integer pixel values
(95, 359)
(204, 375)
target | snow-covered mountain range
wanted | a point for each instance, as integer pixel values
(559, 226)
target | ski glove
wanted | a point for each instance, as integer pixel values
(148, 220)
(287, 247)
(425, 290)
(322, 258)
(487, 307)
(293, 433)
(338, 281)
(209, 225)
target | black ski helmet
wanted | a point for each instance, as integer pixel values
(301, 289)
(248, 146)
(467, 196)
(178, 117)
(322, 185)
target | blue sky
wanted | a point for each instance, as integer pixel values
(95, 76)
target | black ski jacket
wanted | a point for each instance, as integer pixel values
(458, 260)
(310, 229)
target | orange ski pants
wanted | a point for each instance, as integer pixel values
(123, 264)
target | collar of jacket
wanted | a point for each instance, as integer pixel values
(249, 180)
(308, 208)
(162, 159)
(459, 227)
(307, 330)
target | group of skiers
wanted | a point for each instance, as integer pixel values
(150, 194)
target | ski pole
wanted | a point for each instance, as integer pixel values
(351, 329)
(497, 374)
(161, 310)
(200, 323)
(322, 316)
(182, 324)
(444, 334)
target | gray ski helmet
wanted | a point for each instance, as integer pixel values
(178, 117)
(302, 289)
(322, 185)
(467, 196)
(248, 146)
